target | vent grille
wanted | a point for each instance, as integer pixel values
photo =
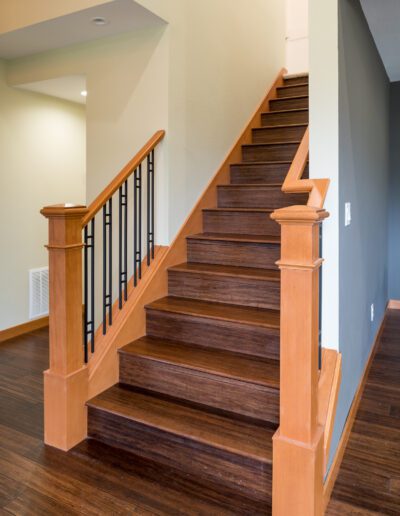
(38, 292)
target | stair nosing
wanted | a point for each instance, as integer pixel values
(201, 368)
(185, 311)
(163, 427)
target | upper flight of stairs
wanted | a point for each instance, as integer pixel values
(200, 392)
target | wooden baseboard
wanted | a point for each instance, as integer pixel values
(20, 329)
(394, 304)
(337, 461)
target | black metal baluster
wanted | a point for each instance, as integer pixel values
(92, 292)
(107, 285)
(85, 295)
(126, 241)
(89, 323)
(137, 223)
(150, 207)
(110, 261)
(320, 303)
(122, 243)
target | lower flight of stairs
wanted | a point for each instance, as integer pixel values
(200, 392)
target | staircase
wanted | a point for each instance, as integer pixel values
(200, 392)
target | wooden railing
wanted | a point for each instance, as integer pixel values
(299, 454)
(72, 337)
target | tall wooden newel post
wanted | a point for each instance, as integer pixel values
(298, 443)
(65, 382)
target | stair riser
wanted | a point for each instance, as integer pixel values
(296, 80)
(247, 223)
(292, 91)
(222, 393)
(289, 103)
(224, 289)
(269, 173)
(278, 134)
(294, 117)
(272, 152)
(243, 475)
(243, 254)
(257, 197)
(214, 333)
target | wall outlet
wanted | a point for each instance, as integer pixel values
(372, 312)
(347, 213)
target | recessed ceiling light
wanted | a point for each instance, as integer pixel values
(99, 21)
(84, 93)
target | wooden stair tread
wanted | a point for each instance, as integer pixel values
(291, 98)
(253, 185)
(263, 317)
(270, 144)
(246, 164)
(231, 237)
(226, 364)
(299, 84)
(244, 210)
(217, 430)
(294, 110)
(226, 270)
(280, 126)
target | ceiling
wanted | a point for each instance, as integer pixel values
(383, 18)
(121, 15)
(68, 87)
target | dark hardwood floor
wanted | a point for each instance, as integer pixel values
(96, 479)
(92, 478)
(369, 477)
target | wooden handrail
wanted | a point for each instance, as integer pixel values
(317, 188)
(119, 180)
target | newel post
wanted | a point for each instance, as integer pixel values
(65, 382)
(298, 442)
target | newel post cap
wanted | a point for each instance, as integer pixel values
(67, 210)
(299, 214)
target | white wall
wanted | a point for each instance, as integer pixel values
(324, 149)
(42, 156)
(297, 41)
(199, 77)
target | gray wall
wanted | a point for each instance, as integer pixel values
(394, 193)
(363, 180)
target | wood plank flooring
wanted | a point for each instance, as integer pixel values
(369, 479)
(96, 479)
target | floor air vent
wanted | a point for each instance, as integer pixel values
(38, 292)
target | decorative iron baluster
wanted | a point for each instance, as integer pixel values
(150, 207)
(107, 285)
(137, 224)
(89, 322)
(123, 243)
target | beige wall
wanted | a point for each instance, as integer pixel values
(16, 14)
(199, 77)
(42, 155)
